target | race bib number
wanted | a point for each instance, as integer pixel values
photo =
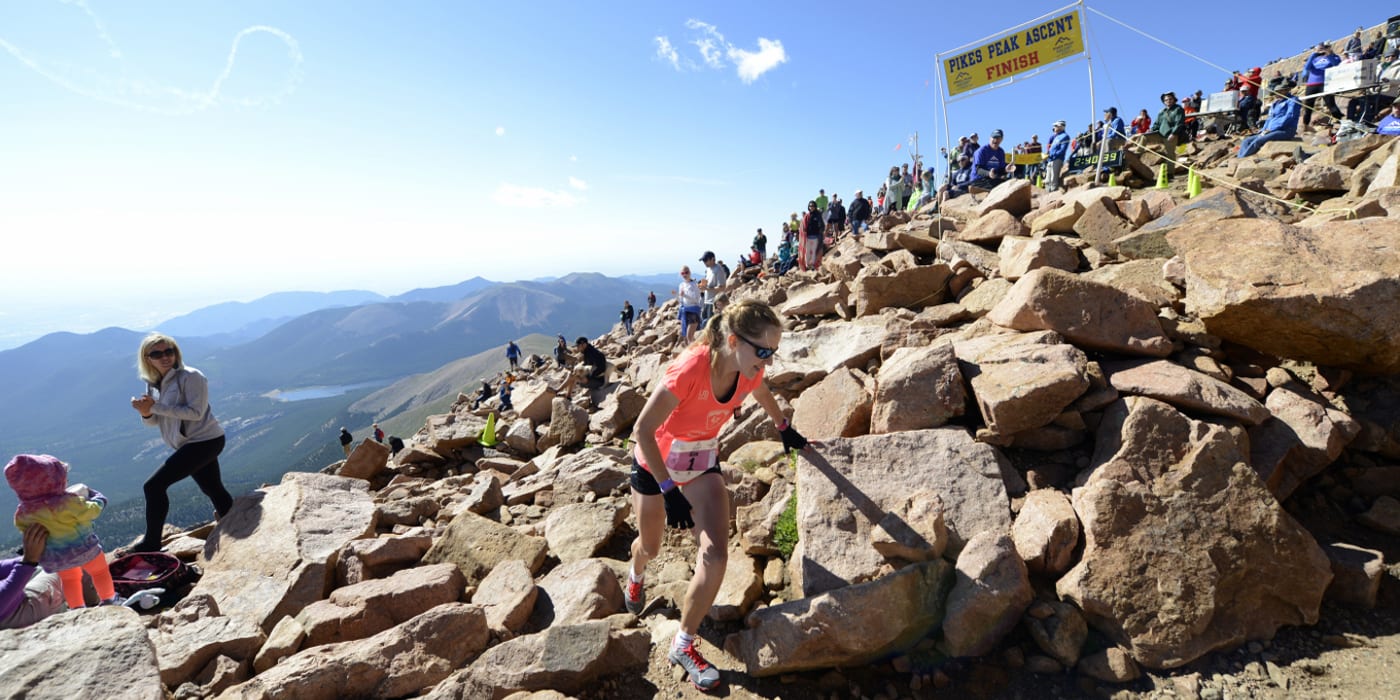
(688, 460)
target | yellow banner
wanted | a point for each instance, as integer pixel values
(1022, 50)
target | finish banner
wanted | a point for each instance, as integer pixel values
(1025, 49)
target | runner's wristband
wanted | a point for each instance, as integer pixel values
(667, 485)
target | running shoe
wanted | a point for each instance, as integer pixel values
(702, 674)
(634, 597)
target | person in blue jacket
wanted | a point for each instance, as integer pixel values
(1281, 124)
(513, 354)
(989, 163)
(1313, 73)
(1055, 156)
(1390, 123)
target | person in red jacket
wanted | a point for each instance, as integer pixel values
(1249, 99)
(1142, 124)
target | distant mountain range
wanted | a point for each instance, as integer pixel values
(68, 394)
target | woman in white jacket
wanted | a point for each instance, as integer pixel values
(177, 401)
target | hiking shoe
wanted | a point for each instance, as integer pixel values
(634, 597)
(702, 675)
(116, 599)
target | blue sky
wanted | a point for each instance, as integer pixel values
(161, 156)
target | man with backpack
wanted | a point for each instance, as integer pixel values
(626, 316)
(835, 216)
(345, 439)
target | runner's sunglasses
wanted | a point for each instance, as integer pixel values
(759, 351)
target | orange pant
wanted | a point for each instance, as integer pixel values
(72, 580)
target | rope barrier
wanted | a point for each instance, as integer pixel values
(1225, 182)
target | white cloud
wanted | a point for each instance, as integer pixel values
(521, 197)
(577, 183)
(666, 52)
(752, 64)
(500, 131)
(718, 53)
(709, 43)
(573, 159)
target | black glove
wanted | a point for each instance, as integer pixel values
(792, 440)
(678, 510)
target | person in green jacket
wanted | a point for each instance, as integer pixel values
(1171, 124)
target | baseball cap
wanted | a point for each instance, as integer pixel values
(1059, 122)
(709, 255)
(996, 133)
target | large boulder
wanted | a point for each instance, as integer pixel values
(808, 356)
(1302, 436)
(1086, 313)
(193, 634)
(578, 530)
(1020, 255)
(1141, 278)
(913, 288)
(918, 387)
(367, 461)
(847, 487)
(533, 399)
(617, 411)
(1316, 177)
(1060, 219)
(1151, 240)
(568, 658)
(1184, 388)
(1185, 550)
(450, 431)
(837, 406)
(847, 627)
(990, 228)
(1022, 380)
(740, 589)
(991, 589)
(361, 560)
(577, 592)
(1329, 295)
(80, 654)
(568, 424)
(399, 662)
(370, 607)
(1100, 225)
(1046, 532)
(476, 545)
(815, 299)
(507, 596)
(275, 551)
(1013, 197)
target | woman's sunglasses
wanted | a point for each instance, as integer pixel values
(759, 351)
(157, 354)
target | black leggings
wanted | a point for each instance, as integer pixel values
(197, 459)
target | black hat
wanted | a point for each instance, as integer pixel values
(709, 255)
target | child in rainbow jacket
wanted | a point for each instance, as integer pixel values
(41, 481)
